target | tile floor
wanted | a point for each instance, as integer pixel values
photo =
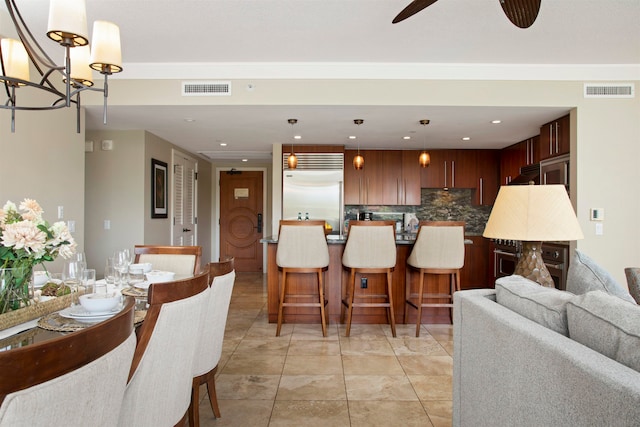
(301, 378)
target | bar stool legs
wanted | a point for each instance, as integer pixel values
(349, 303)
(283, 294)
(418, 300)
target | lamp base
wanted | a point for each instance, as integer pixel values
(531, 265)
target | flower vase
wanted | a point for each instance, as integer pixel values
(14, 287)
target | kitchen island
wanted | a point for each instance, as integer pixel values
(474, 275)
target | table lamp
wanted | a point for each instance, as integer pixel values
(533, 214)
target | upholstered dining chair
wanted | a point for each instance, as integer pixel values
(633, 281)
(302, 248)
(221, 278)
(160, 378)
(370, 249)
(438, 249)
(182, 260)
(72, 380)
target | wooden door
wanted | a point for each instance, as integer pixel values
(241, 219)
(185, 181)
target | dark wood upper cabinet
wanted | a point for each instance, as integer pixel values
(555, 138)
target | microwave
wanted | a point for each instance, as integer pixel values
(555, 171)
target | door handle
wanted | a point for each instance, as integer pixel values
(186, 230)
(259, 227)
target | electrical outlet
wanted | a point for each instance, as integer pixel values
(364, 282)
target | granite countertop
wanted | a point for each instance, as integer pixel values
(335, 239)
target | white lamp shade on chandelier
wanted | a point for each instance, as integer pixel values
(105, 47)
(68, 22)
(15, 59)
(80, 70)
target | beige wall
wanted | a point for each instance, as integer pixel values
(44, 160)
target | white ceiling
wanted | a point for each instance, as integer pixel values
(194, 34)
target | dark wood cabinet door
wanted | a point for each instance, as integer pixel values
(488, 176)
(555, 138)
(411, 177)
(352, 180)
(433, 175)
(564, 136)
(464, 168)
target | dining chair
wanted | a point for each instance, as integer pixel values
(302, 248)
(370, 249)
(209, 349)
(633, 282)
(71, 380)
(438, 249)
(158, 392)
(182, 260)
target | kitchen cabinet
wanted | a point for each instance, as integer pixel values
(389, 177)
(555, 138)
(513, 157)
(450, 169)
(487, 176)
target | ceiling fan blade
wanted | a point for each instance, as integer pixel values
(414, 7)
(522, 13)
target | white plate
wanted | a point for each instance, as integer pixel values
(141, 285)
(79, 313)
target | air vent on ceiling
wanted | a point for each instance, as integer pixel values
(609, 90)
(206, 88)
(317, 161)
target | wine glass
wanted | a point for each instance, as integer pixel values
(72, 275)
(121, 262)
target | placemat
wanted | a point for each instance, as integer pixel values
(55, 322)
(134, 292)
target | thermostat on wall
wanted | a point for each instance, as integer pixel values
(597, 214)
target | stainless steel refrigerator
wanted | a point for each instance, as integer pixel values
(317, 194)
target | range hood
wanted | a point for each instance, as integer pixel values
(529, 173)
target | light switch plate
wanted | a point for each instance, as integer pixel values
(107, 145)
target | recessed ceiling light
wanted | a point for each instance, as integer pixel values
(297, 137)
(406, 137)
(223, 144)
(495, 122)
(466, 138)
(245, 160)
(352, 137)
(189, 120)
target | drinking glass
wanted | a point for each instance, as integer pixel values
(121, 262)
(89, 280)
(72, 275)
(110, 272)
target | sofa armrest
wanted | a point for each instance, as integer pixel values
(508, 370)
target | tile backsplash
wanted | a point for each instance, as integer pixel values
(436, 205)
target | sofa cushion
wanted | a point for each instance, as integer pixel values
(585, 275)
(607, 325)
(545, 306)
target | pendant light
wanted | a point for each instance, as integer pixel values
(358, 161)
(292, 160)
(424, 158)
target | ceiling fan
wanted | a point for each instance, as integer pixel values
(521, 13)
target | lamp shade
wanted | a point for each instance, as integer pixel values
(358, 162)
(533, 213)
(424, 159)
(68, 22)
(15, 59)
(80, 70)
(106, 56)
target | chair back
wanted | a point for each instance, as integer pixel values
(182, 260)
(222, 277)
(302, 244)
(159, 389)
(439, 245)
(633, 281)
(370, 244)
(52, 382)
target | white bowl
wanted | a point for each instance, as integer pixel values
(99, 303)
(145, 266)
(40, 278)
(156, 276)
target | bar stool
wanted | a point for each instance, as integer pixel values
(439, 249)
(302, 248)
(370, 248)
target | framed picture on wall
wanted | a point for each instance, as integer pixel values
(159, 186)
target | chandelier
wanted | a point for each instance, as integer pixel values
(63, 83)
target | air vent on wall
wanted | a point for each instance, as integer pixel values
(206, 88)
(609, 90)
(317, 161)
